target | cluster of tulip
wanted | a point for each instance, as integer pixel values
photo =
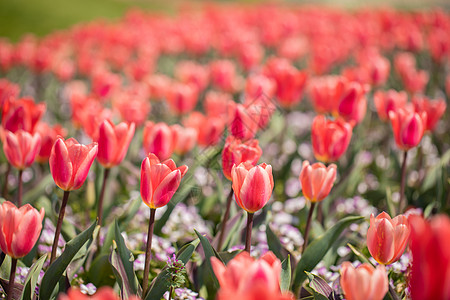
(158, 92)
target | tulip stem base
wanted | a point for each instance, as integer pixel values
(308, 226)
(148, 252)
(248, 233)
(5, 183)
(62, 211)
(12, 278)
(225, 220)
(402, 204)
(19, 189)
(101, 196)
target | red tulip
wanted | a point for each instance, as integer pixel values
(243, 125)
(192, 73)
(353, 103)
(184, 139)
(217, 104)
(70, 162)
(104, 293)
(158, 139)
(8, 90)
(21, 114)
(317, 180)
(387, 238)
(113, 142)
(236, 152)
(104, 83)
(433, 108)
(224, 76)
(158, 85)
(132, 104)
(389, 101)
(209, 129)
(258, 86)
(20, 228)
(408, 127)
(364, 282)
(330, 139)
(21, 148)
(252, 185)
(249, 279)
(430, 277)
(182, 98)
(159, 180)
(326, 92)
(48, 138)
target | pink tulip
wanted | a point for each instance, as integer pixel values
(408, 127)
(252, 185)
(70, 162)
(433, 108)
(182, 98)
(236, 152)
(243, 125)
(353, 103)
(159, 180)
(184, 139)
(387, 238)
(20, 228)
(389, 101)
(364, 282)
(21, 148)
(113, 142)
(317, 180)
(158, 139)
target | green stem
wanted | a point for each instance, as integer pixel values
(148, 252)
(12, 278)
(308, 226)
(402, 204)
(101, 196)
(62, 211)
(248, 234)
(225, 220)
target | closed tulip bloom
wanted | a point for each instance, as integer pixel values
(326, 92)
(252, 185)
(113, 142)
(246, 278)
(21, 148)
(389, 101)
(209, 129)
(243, 125)
(159, 180)
(184, 139)
(70, 162)
(158, 139)
(182, 97)
(20, 228)
(48, 138)
(364, 282)
(408, 127)
(433, 108)
(317, 180)
(235, 152)
(387, 238)
(21, 114)
(330, 138)
(430, 277)
(353, 104)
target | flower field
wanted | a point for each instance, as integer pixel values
(228, 152)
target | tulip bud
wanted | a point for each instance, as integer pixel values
(364, 282)
(330, 139)
(353, 104)
(70, 162)
(113, 142)
(326, 92)
(317, 180)
(387, 238)
(184, 139)
(389, 101)
(20, 228)
(158, 139)
(159, 180)
(252, 185)
(21, 148)
(236, 152)
(408, 127)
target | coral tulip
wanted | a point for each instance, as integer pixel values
(326, 92)
(353, 104)
(364, 282)
(48, 138)
(21, 148)
(104, 293)
(209, 129)
(433, 108)
(70, 162)
(113, 142)
(182, 98)
(243, 124)
(387, 238)
(159, 180)
(158, 139)
(430, 277)
(184, 139)
(21, 114)
(317, 180)
(235, 152)
(389, 101)
(250, 279)
(20, 228)
(330, 139)
(408, 127)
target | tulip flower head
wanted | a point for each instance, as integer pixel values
(21, 114)
(317, 180)
(20, 228)
(433, 108)
(159, 180)
(48, 138)
(21, 148)
(408, 127)
(364, 282)
(387, 238)
(158, 139)
(330, 138)
(184, 139)
(236, 152)
(252, 185)
(70, 162)
(389, 101)
(113, 142)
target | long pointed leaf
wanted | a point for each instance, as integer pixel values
(32, 278)
(209, 252)
(285, 276)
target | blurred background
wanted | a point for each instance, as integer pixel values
(40, 17)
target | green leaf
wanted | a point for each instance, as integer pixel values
(209, 252)
(360, 256)
(319, 285)
(32, 277)
(122, 261)
(274, 243)
(318, 248)
(285, 276)
(160, 283)
(59, 266)
(101, 265)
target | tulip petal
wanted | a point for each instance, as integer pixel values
(255, 190)
(166, 189)
(61, 165)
